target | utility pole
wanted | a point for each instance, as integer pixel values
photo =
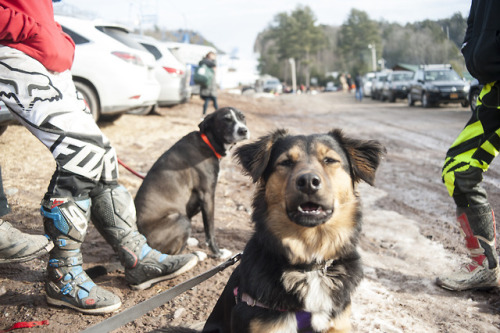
(294, 76)
(374, 56)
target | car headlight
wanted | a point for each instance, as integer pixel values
(466, 88)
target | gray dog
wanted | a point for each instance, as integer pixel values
(182, 183)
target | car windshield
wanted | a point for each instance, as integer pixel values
(121, 36)
(272, 82)
(402, 76)
(442, 75)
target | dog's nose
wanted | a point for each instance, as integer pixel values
(242, 131)
(308, 183)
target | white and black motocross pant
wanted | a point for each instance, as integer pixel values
(47, 104)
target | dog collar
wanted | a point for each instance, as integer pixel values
(205, 139)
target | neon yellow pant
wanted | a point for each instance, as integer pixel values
(474, 150)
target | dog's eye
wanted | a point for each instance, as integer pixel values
(228, 118)
(286, 163)
(329, 160)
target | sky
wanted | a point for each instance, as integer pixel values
(233, 25)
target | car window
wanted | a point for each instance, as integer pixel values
(78, 39)
(153, 50)
(442, 75)
(121, 36)
(402, 76)
(272, 82)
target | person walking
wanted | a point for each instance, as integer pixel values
(474, 150)
(36, 85)
(358, 82)
(208, 92)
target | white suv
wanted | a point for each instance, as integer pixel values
(112, 77)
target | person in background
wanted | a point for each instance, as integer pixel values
(474, 150)
(209, 92)
(343, 82)
(358, 83)
(349, 83)
(37, 87)
(17, 246)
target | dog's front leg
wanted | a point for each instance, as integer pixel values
(208, 214)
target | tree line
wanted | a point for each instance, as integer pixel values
(321, 49)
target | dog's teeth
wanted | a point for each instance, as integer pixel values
(317, 211)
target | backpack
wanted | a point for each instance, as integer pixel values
(203, 76)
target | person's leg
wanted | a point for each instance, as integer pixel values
(4, 204)
(214, 100)
(47, 105)
(16, 246)
(205, 104)
(467, 159)
(113, 214)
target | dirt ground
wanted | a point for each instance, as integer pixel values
(409, 232)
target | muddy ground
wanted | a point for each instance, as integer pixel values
(409, 232)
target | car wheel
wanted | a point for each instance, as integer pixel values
(392, 99)
(425, 100)
(473, 100)
(110, 117)
(3, 129)
(142, 111)
(90, 97)
(411, 102)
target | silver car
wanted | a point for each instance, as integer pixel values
(171, 73)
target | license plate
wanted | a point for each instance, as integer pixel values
(453, 96)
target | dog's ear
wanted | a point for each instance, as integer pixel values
(206, 122)
(364, 156)
(254, 157)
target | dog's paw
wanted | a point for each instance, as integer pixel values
(192, 241)
(224, 254)
(201, 255)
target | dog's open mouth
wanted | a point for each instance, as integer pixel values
(310, 214)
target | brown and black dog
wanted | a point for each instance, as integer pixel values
(301, 266)
(182, 182)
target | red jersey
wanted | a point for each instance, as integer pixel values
(29, 26)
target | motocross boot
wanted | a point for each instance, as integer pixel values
(113, 214)
(477, 225)
(68, 285)
(16, 246)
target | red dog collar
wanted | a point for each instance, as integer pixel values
(205, 139)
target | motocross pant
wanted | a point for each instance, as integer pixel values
(47, 104)
(466, 160)
(473, 151)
